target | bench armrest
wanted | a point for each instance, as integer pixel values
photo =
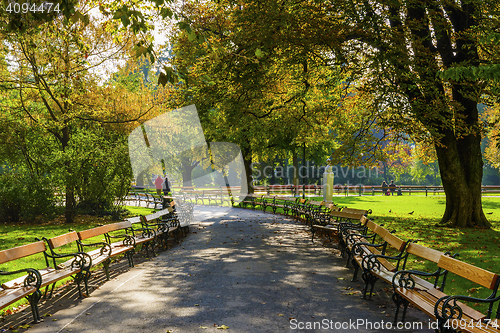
(356, 248)
(128, 240)
(81, 260)
(371, 262)
(33, 279)
(449, 307)
(105, 247)
(404, 279)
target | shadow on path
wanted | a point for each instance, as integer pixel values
(246, 270)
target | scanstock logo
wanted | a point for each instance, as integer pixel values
(173, 145)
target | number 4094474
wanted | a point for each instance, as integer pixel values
(26, 7)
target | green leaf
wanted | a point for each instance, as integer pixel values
(185, 26)
(140, 50)
(259, 53)
(192, 36)
(166, 12)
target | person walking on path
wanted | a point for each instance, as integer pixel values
(158, 184)
(166, 186)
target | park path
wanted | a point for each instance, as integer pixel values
(243, 270)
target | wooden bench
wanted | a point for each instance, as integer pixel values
(433, 279)
(277, 202)
(215, 197)
(252, 201)
(163, 224)
(361, 247)
(348, 227)
(451, 311)
(184, 212)
(146, 198)
(300, 208)
(322, 220)
(229, 194)
(373, 258)
(120, 238)
(29, 286)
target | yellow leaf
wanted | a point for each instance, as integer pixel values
(223, 327)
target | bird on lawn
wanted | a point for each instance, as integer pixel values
(411, 212)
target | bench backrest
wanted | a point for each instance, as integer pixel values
(470, 272)
(394, 241)
(22, 251)
(119, 226)
(354, 211)
(424, 252)
(347, 215)
(371, 225)
(334, 208)
(89, 233)
(64, 239)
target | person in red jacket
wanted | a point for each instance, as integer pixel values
(158, 184)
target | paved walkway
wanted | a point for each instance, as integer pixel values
(242, 270)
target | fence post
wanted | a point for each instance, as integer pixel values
(425, 190)
(373, 190)
(359, 190)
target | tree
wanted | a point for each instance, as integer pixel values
(407, 45)
(267, 100)
(56, 82)
(395, 52)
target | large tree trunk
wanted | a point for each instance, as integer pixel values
(295, 161)
(461, 169)
(246, 183)
(187, 167)
(70, 207)
(70, 204)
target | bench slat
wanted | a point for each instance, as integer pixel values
(64, 239)
(10, 296)
(478, 275)
(424, 252)
(89, 233)
(21, 251)
(395, 241)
